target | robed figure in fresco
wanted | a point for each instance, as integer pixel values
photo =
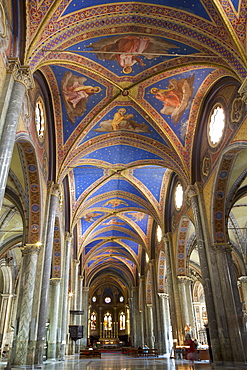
(126, 50)
(176, 97)
(76, 94)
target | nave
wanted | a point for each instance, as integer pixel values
(112, 361)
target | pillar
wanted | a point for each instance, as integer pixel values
(27, 280)
(158, 333)
(165, 322)
(85, 292)
(184, 285)
(54, 304)
(220, 293)
(172, 286)
(64, 300)
(150, 326)
(141, 313)
(46, 273)
(22, 79)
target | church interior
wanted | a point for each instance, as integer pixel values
(123, 177)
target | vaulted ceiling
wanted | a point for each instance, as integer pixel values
(127, 81)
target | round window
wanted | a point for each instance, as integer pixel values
(216, 125)
(94, 299)
(121, 298)
(107, 300)
(179, 195)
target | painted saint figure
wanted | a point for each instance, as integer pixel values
(126, 50)
(122, 121)
(176, 97)
(76, 94)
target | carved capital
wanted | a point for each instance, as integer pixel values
(243, 91)
(163, 295)
(242, 279)
(55, 281)
(184, 279)
(76, 262)
(222, 247)
(55, 190)
(68, 236)
(20, 73)
(30, 248)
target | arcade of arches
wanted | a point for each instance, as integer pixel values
(123, 172)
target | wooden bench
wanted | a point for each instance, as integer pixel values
(90, 353)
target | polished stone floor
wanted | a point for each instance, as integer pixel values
(110, 361)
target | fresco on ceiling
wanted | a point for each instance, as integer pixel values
(112, 233)
(122, 154)
(76, 104)
(130, 54)
(130, 50)
(99, 206)
(84, 177)
(172, 98)
(112, 222)
(191, 6)
(119, 184)
(75, 94)
(152, 178)
(92, 216)
(140, 218)
(124, 119)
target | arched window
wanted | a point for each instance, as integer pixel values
(122, 320)
(93, 321)
(107, 321)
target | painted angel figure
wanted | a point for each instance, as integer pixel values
(76, 94)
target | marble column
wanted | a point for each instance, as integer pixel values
(65, 275)
(46, 273)
(22, 80)
(172, 286)
(137, 332)
(150, 326)
(220, 293)
(158, 328)
(184, 284)
(230, 338)
(130, 321)
(27, 281)
(141, 313)
(54, 304)
(165, 322)
(79, 299)
(85, 292)
(5, 309)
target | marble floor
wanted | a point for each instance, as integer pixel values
(110, 361)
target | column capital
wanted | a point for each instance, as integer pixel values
(55, 281)
(30, 248)
(81, 277)
(68, 236)
(76, 262)
(167, 237)
(243, 91)
(55, 190)
(20, 73)
(243, 279)
(163, 295)
(222, 247)
(184, 279)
